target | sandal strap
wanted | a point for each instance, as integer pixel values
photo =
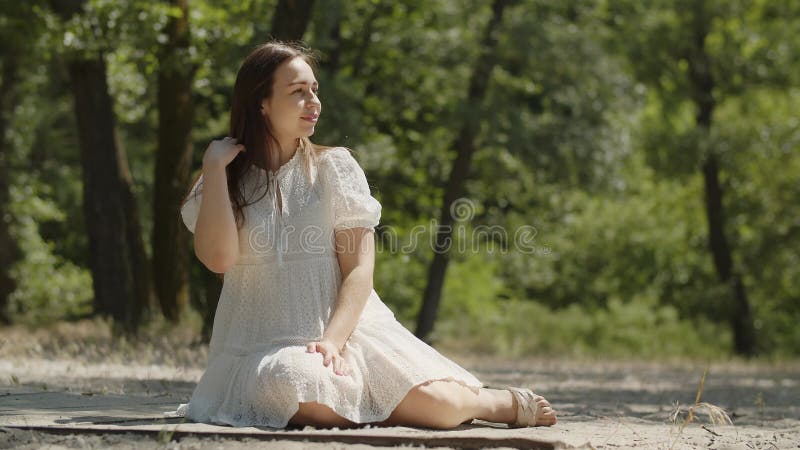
(527, 407)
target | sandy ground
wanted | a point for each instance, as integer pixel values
(601, 404)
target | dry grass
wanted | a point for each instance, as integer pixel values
(92, 341)
(716, 415)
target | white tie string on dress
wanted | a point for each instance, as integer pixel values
(278, 211)
(278, 216)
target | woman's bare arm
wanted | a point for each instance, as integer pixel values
(355, 251)
(216, 238)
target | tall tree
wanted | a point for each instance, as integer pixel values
(700, 54)
(117, 257)
(701, 83)
(173, 164)
(464, 146)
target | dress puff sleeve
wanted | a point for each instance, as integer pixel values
(351, 203)
(191, 208)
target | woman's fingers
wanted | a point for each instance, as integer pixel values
(222, 152)
(340, 366)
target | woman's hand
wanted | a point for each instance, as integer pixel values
(221, 152)
(330, 354)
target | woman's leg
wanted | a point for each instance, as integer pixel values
(433, 404)
(437, 404)
(320, 416)
(447, 404)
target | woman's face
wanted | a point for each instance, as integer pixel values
(294, 107)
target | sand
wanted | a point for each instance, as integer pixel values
(75, 402)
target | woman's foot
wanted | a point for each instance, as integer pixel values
(533, 410)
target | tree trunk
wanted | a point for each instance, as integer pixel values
(465, 147)
(170, 238)
(290, 20)
(109, 207)
(739, 315)
(9, 251)
(117, 257)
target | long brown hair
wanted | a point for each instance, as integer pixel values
(247, 125)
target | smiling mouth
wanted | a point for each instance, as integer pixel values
(312, 119)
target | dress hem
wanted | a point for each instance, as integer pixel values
(362, 420)
(382, 417)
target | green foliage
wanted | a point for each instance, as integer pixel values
(762, 133)
(588, 151)
(648, 237)
(401, 267)
(52, 279)
(480, 314)
(49, 288)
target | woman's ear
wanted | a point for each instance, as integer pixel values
(264, 107)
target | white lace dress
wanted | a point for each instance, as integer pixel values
(280, 295)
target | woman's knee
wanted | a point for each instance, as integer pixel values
(443, 394)
(434, 404)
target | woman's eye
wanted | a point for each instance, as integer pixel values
(316, 91)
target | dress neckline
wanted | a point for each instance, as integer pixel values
(285, 166)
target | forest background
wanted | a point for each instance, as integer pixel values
(620, 178)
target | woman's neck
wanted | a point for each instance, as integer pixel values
(285, 153)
